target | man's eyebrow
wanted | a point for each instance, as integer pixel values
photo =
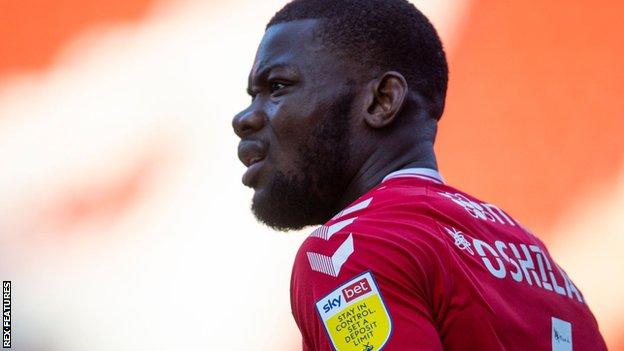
(265, 70)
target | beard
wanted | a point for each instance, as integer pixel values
(311, 197)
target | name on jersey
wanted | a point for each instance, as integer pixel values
(480, 210)
(520, 262)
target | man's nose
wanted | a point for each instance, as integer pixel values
(248, 122)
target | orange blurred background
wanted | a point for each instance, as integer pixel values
(121, 185)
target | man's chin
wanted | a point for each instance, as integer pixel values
(279, 223)
(280, 211)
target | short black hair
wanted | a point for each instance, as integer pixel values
(383, 35)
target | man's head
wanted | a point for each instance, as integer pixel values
(335, 84)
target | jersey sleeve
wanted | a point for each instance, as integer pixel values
(369, 286)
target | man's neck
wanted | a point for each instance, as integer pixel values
(377, 166)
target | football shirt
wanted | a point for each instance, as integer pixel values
(415, 264)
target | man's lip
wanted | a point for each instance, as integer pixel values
(251, 151)
(252, 172)
(254, 160)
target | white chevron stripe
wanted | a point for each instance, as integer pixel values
(320, 263)
(356, 207)
(325, 232)
(331, 265)
(320, 232)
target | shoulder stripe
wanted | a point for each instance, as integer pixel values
(359, 206)
(331, 265)
(326, 232)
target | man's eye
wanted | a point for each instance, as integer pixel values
(275, 86)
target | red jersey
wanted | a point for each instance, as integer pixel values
(415, 264)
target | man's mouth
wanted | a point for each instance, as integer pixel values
(252, 154)
(252, 171)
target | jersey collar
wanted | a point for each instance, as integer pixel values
(423, 173)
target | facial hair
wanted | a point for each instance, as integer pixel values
(311, 196)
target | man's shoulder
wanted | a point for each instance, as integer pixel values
(386, 211)
(416, 195)
(407, 218)
(416, 200)
(396, 210)
(442, 202)
(416, 217)
(389, 222)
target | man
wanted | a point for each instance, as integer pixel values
(346, 96)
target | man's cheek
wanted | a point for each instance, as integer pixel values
(286, 161)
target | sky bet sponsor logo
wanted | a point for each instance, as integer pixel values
(332, 303)
(355, 316)
(356, 290)
(347, 294)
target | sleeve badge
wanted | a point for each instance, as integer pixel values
(355, 315)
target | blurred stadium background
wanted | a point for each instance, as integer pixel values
(123, 223)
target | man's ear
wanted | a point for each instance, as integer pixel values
(386, 99)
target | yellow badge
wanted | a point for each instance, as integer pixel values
(355, 315)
